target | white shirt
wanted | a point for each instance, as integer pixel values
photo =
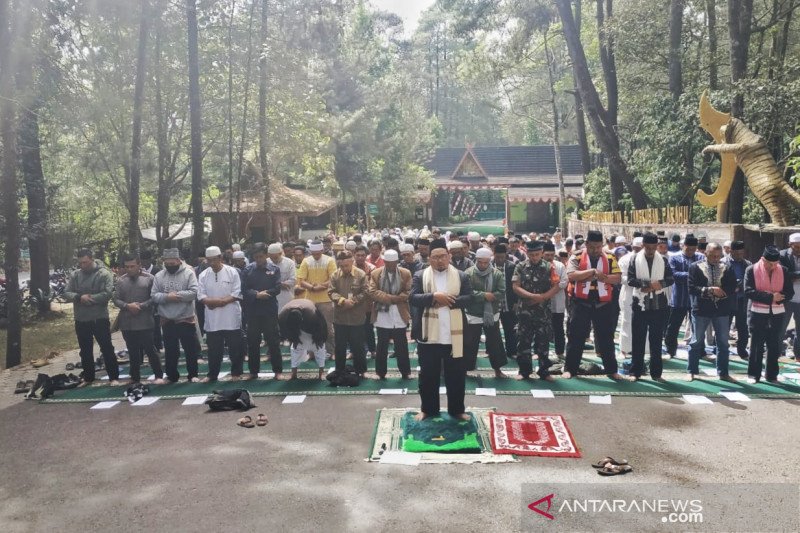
(226, 282)
(390, 319)
(440, 281)
(288, 270)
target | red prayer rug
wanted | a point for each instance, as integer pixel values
(532, 434)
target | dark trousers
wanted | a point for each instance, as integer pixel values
(200, 311)
(582, 318)
(647, 325)
(494, 345)
(764, 328)
(398, 336)
(354, 336)
(217, 340)
(369, 334)
(158, 340)
(100, 330)
(432, 357)
(509, 321)
(559, 339)
(177, 335)
(265, 326)
(739, 314)
(676, 316)
(140, 342)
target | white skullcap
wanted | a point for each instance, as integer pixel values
(794, 237)
(620, 239)
(390, 255)
(350, 245)
(474, 236)
(236, 255)
(727, 244)
(236, 247)
(638, 241)
(315, 246)
(275, 248)
(483, 253)
(455, 245)
(213, 251)
(405, 248)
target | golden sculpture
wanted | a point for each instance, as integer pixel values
(738, 146)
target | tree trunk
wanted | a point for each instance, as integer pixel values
(713, 68)
(231, 216)
(262, 122)
(30, 163)
(608, 62)
(740, 14)
(675, 49)
(136, 137)
(8, 184)
(164, 190)
(240, 161)
(195, 121)
(562, 198)
(580, 118)
(606, 135)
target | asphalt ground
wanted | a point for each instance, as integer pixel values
(172, 468)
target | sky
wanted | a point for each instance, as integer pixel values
(409, 10)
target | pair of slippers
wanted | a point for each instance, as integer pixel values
(73, 366)
(608, 466)
(247, 421)
(23, 386)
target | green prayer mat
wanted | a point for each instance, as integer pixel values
(441, 434)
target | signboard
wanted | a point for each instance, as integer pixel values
(519, 212)
(372, 209)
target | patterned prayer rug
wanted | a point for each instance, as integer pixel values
(388, 437)
(532, 434)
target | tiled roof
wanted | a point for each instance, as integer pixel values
(509, 161)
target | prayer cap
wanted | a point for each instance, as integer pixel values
(275, 248)
(438, 243)
(794, 237)
(594, 236)
(390, 255)
(501, 249)
(474, 236)
(548, 247)
(483, 253)
(638, 241)
(405, 248)
(238, 254)
(315, 246)
(456, 245)
(771, 253)
(650, 238)
(737, 245)
(620, 239)
(172, 253)
(213, 251)
(534, 246)
(690, 240)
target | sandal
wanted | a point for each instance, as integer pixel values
(262, 419)
(602, 463)
(615, 470)
(246, 422)
(39, 363)
(70, 366)
(21, 387)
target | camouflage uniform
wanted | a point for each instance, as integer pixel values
(535, 326)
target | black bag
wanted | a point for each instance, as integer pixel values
(230, 400)
(42, 388)
(136, 392)
(347, 378)
(65, 381)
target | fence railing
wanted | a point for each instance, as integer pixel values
(658, 215)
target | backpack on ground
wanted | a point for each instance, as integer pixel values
(230, 400)
(346, 378)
